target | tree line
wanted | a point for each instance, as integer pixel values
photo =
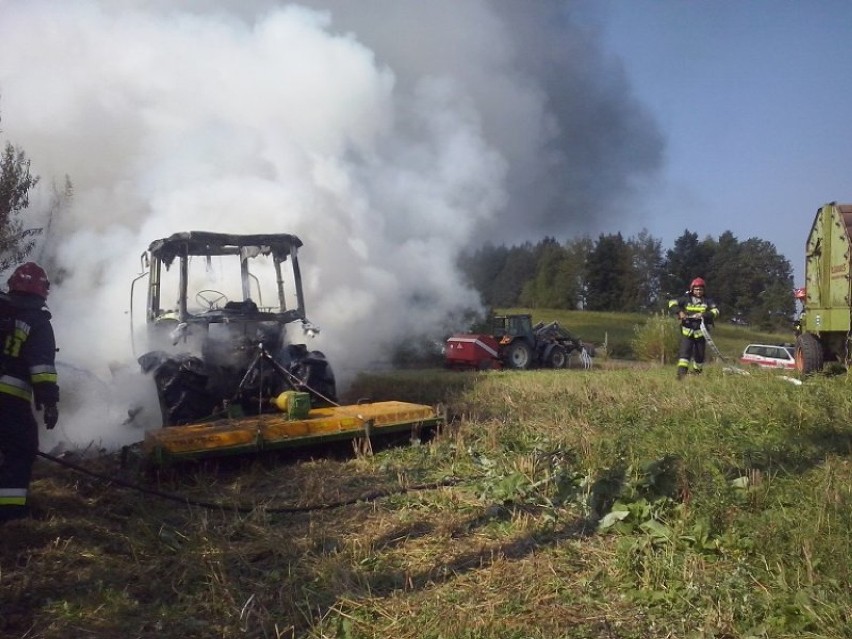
(749, 280)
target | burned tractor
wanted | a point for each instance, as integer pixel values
(218, 310)
(228, 377)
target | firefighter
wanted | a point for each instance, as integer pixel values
(801, 294)
(27, 375)
(691, 309)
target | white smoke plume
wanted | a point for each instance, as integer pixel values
(389, 135)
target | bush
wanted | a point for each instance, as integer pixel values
(656, 340)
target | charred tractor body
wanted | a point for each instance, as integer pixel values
(218, 308)
(228, 377)
(826, 320)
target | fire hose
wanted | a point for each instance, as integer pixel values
(367, 497)
(712, 344)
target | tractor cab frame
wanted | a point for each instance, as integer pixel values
(217, 310)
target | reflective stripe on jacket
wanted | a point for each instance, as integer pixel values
(696, 309)
(28, 350)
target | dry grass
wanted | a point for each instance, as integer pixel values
(103, 562)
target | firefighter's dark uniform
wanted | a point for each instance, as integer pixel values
(27, 373)
(693, 343)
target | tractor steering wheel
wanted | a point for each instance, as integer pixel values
(211, 298)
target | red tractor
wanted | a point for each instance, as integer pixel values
(515, 343)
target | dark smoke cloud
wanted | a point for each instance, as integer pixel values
(555, 106)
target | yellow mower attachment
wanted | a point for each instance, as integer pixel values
(237, 435)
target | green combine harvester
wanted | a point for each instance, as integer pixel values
(826, 320)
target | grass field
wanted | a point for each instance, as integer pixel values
(619, 329)
(614, 502)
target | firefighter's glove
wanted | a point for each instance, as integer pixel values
(51, 416)
(709, 318)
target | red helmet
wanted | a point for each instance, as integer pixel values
(29, 278)
(696, 282)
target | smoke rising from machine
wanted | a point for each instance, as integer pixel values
(388, 135)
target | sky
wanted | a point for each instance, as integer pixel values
(751, 98)
(392, 135)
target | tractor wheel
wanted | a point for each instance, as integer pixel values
(809, 355)
(518, 355)
(557, 357)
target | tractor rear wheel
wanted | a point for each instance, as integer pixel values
(809, 356)
(518, 355)
(557, 357)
